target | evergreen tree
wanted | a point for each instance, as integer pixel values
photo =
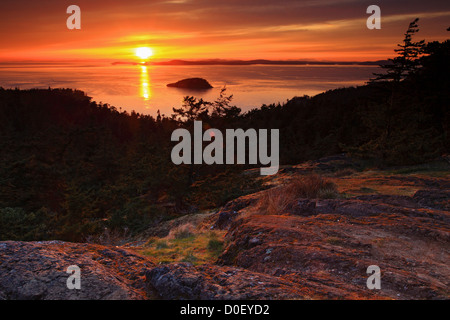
(408, 57)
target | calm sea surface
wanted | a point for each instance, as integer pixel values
(143, 88)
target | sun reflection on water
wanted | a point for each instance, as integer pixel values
(145, 85)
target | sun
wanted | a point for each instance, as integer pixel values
(144, 52)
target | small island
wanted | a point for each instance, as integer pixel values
(191, 83)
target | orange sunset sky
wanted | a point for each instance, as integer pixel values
(209, 29)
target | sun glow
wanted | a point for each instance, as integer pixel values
(144, 52)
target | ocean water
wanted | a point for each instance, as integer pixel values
(143, 88)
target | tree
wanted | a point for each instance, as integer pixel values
(408, 57)
(383, 119)
(221, 107)
(215, 114)
(199, 109)
(409, 124)
(191, 110)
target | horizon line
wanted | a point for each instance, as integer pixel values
(197, 61)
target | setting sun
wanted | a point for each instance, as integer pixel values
(144, 52)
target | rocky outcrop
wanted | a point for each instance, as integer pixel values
(191, 83)
(231, 210)
(323, 165)
(434, 199)
(370, 205)
(210, 282)
(327, 246)
(37, 270)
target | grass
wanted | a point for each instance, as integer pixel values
(431, 170)
(186, 231)
(161, 245)
(190, 257)
(374, 182)
(278, 200)
(185, 244)
(312, 186)
(390, 181)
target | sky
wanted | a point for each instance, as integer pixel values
(326, 30)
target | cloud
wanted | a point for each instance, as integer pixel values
(185, 26)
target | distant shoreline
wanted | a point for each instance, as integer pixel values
(205, 62)
(254, 62)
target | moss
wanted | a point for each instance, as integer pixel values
(215, 247)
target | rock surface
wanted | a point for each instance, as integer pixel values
(327, 246)
(231, 210)
(210, 282)
(191, 83)
(37, 270)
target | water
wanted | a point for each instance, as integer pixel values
(143, 88)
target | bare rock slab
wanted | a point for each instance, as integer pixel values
(211, 282)
(37, 270)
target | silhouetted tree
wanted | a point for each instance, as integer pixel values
(408, 57)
